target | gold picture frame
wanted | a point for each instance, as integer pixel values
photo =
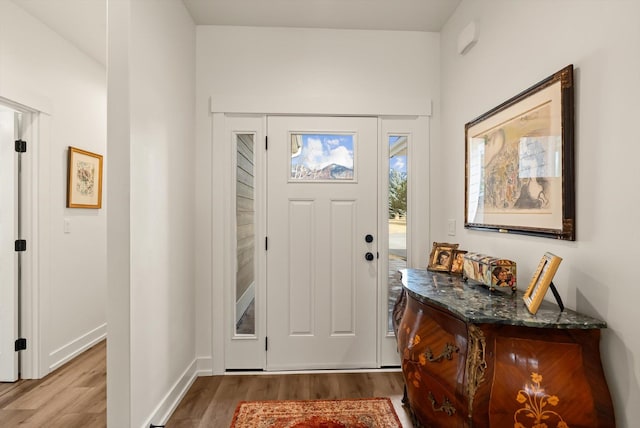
(540, 281)
(519, 163)
(457, 262)
(84, 179)
(441, 256)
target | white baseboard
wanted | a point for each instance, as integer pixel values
(76, 347)
(172, 398)
(205, 366)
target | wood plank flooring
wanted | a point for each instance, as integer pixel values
(211, 400)
(74, 395)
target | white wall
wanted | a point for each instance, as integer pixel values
(43, 71)
(520, 43)
(252, 67)
(152, 80)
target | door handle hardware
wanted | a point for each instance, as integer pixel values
(369, 256)
(368, 238)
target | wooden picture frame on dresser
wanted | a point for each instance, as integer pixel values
(541, 281)
(457, 265)
(441, 256)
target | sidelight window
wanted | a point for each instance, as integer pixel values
(397, 220)
(245, 235)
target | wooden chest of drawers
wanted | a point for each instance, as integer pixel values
(472, 358)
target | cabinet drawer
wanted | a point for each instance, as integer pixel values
(435, 342)
(433, 404)
(546, 381)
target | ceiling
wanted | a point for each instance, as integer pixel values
(83, 22)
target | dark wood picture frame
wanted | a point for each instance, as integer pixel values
(519, 163)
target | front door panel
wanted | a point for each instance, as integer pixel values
(321, 269)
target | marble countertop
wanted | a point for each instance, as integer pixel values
(474, 303)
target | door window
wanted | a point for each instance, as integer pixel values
(322, 157)
(397, 201)
(245, 235)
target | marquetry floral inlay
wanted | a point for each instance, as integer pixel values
(415, 378)
(416, 340)
(535, 399)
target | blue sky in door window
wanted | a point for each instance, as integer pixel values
(322, 157)
(398, 162)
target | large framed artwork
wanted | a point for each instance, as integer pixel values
(519, 163)
(84, 179)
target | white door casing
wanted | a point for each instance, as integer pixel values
(321, 291)
(245, 351)
(213, 127)
(8, 257)
(416, 131)
(248, 351)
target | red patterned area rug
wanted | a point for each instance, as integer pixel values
(356, 413)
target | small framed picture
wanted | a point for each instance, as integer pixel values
(84, 185)
(540, 281)
(457, 263)
(441, 256)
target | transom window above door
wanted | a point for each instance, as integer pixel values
(323, 157)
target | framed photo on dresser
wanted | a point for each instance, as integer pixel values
(441, 256)
(541, 281)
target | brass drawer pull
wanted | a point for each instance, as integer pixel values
(446, 407)
(447, 353)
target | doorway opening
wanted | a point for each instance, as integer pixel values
(12, 241)
(272, 242)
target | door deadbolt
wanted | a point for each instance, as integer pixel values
(368, 238)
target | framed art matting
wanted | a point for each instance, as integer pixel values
(519, 172)
(84, 179)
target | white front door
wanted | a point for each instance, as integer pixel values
(322, 245)
(8, 257)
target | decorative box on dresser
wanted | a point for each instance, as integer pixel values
(476, 358)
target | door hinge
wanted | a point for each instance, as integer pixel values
(266, 142)
(21, 245)
(21, 146)
(266, 343)
(21, 344)
(266, 243)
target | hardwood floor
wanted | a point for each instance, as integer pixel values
(72, 396)
(211, 400)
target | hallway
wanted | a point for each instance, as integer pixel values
(73, 396)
